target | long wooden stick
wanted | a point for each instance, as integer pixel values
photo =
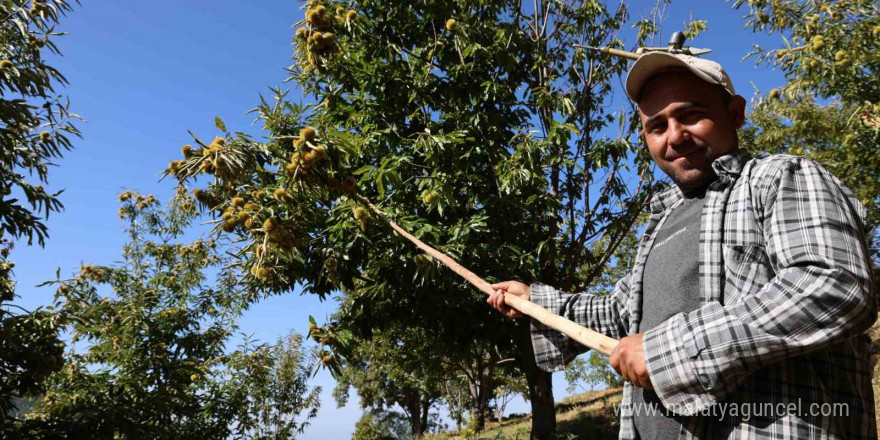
(616, 52)
(592, 339)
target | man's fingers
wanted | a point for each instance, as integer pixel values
(510, 312)
(496, 299)
(638, 375)
(499, 302)
(493, 300)
(615, 361)
(641, 372)
(624, 369)
(635, 378)
(619, 364)
(627, 361)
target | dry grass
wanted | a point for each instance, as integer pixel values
(583, 416)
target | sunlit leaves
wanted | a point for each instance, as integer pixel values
(148, 353)
(488, 136)
(35, 121)
(35, 127)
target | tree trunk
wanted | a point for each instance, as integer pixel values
(413, 410)
(540, 389)
(455, 404)
(426, 407)
(481, 386)
(479, 415)
(478, 404)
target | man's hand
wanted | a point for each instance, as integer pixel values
(496, 299)
(628, 359)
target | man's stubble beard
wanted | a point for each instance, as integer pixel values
(703, 175)
(692, 178)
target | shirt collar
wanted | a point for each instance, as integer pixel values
(666, 198)
(732, 163)
(727, 167)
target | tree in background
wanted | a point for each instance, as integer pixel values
(147, 356)
(829, 108)
(595, 370)
(509, 387)
(587, 374)
(456, 400)
(406, 369)
(269, 388)
(477, 126)
(35, 127)
(36, 123)
(388, 377)
(381, 425)
(481, 371)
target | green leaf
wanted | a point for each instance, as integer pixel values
(219, 123)
(362, 170)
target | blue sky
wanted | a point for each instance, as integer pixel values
(143, 73)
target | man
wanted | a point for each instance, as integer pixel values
(744, 314)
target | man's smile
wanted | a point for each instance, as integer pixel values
(685, 155)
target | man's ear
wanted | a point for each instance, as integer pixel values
(737, 111)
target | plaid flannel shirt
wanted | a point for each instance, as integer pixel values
(786, 296)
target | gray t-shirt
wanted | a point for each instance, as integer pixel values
(670, 285)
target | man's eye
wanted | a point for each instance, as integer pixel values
(693, 116)
(657, 128)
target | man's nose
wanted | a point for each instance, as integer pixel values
(678, 134)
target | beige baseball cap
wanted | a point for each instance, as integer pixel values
(653, 63)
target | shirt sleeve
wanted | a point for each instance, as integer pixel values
(606, 314)
(821, 293)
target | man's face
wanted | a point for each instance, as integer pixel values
(687, 126)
